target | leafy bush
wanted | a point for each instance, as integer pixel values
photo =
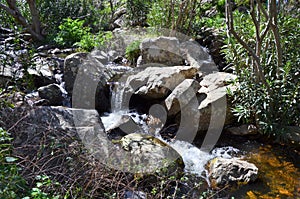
(133, 51)
(71, 31)
(271, 105)
(90, 41)
(74, 33)
(12, 185)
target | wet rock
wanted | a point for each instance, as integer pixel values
(224, 171)
(120, 126)
(163, 50)
(52, 93)
(245, 129)
(149, 154)
(157, 82)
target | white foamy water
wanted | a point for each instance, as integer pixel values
(117, 97)
(109, 119)
(194, 159)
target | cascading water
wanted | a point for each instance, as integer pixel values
(194, 159)
(116, 96)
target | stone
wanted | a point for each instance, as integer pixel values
(245, 129)
(71, 65)
(198, 57)
(213, 91)
(52, 93)
(181, 96)
(163, 50)
(101, 56)
(157, 82)
(149, 154)
(117, 126)
(224, 171)
(41, 126)
(86, 81)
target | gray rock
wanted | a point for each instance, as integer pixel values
(120, 126)
(71, 65)
(149, 154)
(245, 129)
(181, 96)
(86, 81)
(52, 93)
(163, 50)
(57, 125)
(224, 171)
(101, 56)
(198, 57)
(157, 82)
(213, 91)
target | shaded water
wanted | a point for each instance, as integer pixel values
(278, 165)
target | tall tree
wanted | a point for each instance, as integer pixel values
(32, 25)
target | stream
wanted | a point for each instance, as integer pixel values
(279, 166)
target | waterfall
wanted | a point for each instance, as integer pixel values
(117, 96)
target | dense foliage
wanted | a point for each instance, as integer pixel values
(272, 105)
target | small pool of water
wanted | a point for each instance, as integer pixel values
(279, 170)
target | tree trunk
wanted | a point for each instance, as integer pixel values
(35, 27)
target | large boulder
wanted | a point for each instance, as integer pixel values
(213, 101)
(148, 154)
(223, 171)
(48, 136)
(181, 96)
(86, 81)
(163, 50)
(197, 56)
(157, 82)
(71, 65)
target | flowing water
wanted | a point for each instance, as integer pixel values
(279, 174)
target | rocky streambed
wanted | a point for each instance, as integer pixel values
(170, 113)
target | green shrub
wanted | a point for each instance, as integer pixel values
(12, 185)
(90, 41)
(71, 31)
(133, 51)
(272, 106)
